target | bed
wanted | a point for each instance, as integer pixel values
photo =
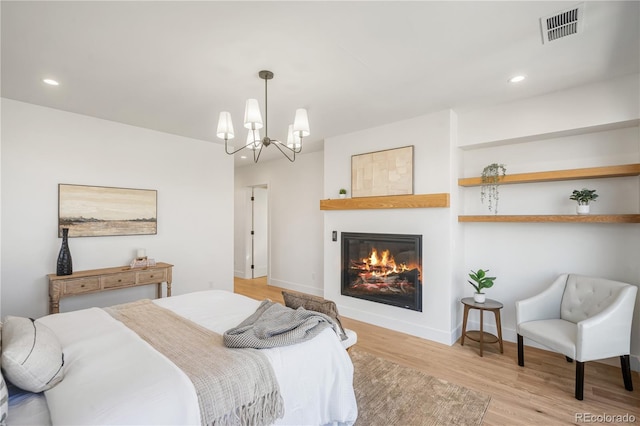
(112, 376)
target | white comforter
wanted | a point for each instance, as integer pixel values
(114, 377)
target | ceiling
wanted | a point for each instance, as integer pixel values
(173, 66)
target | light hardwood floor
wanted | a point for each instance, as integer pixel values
(541, 393)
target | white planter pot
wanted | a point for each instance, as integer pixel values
(479, 297)
(582, 209)
(343, 195)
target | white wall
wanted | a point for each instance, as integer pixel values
(526, 257)
(295, 221)
(594, 106)
(434, 166)
(42, 147)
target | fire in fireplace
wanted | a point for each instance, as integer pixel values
(384, 268)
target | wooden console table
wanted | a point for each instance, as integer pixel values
(97, 280)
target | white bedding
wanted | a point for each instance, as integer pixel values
(114, 377)
(28, 409)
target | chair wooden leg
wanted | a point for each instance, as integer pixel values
(579, 380)
(626, 372)
(520, 351)
(569, 359)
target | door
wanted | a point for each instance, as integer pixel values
(259, 231)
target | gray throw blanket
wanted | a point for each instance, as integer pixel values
(234, 387)
(273, 325)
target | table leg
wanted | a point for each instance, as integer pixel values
(169, 288)
(55, 289)
(158, 290)
(464, 324)
(54, 306)
(481, 330)
(499, 326)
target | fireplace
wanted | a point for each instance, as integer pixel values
(384, 268)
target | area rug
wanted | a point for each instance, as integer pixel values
(391, 394)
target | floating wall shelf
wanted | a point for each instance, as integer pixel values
(558, 175)
(588, 218)
(387, 202)
(571, 174)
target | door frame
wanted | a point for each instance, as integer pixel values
(248, 242)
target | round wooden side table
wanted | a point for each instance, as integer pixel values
(482, 336)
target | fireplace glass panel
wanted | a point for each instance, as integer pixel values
(384, 268)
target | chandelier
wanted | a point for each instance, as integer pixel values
(253, 121)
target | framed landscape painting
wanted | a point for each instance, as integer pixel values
(95, 211)
(380, 173)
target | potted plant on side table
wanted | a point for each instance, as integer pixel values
(583, 197)
(482, 281)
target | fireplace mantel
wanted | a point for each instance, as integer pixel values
(419, 201)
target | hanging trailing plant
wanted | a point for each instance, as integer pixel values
(491, 176)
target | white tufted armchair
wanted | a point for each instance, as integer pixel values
(584, 318)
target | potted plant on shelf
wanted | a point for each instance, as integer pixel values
(583, 197)
(342, 192)
(490, 177)
(482, 281)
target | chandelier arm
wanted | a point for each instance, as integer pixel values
(295, 151)
(299, 150)
(257, 157)
(281, 145)
(284, 153)
(237, 150)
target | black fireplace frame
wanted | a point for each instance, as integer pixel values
(414, 302)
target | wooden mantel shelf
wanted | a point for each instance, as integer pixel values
(588, 218)
(420, 201)
(571, 174)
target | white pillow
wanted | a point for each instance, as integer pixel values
(32, 357)
(4, 401)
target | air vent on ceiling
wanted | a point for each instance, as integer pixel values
(562, 24)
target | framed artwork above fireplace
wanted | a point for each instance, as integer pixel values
(380, 173)
(383, 268)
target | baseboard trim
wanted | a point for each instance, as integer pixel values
(396, 325)
(296, 287)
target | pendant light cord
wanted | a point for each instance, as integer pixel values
(266, 110)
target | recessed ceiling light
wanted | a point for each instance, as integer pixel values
(243, 157)
(517, 79)
(50, 82)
